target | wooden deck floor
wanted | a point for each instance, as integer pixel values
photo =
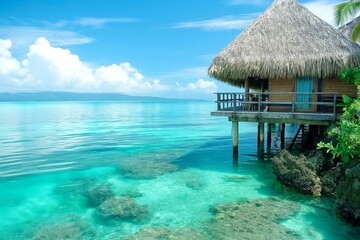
(278, 117)
(238, 108)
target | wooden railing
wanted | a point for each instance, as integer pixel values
(290, 102)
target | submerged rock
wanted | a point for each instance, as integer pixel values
(98, 194)
(75, 228)
(330, 180)
(195, 184)
(321, 162)
(133, 193)
(146, 169)
(122, 207)
(236, 178)
(157, 233)
(257, 219)
(348, 195)
(296, 172)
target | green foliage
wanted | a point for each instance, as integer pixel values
(347, 132)
(346, 11)
(351, 75)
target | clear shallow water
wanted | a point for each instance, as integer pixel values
(50, 152)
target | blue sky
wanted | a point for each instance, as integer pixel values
(138, 47)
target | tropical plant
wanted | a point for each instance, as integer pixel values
(344, 12)
(347, 132)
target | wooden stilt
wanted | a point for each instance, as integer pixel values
(247, 96)
(235, 133)
(235, 161)
(262, 88)
(282, 135)
(261, 140)
(301, 127)
(268, 135)
(303, 136)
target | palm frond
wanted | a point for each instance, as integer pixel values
(344, 11)
(356, 32)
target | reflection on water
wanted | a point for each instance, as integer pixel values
(106, 170)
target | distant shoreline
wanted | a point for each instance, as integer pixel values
(79, 97)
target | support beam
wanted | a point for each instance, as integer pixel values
(247, 89)
(282, 135)
(247, 95)
(262, 89)
(261, 140)
(268, 135)
(303, 136)
(301, 127)
(235, 134)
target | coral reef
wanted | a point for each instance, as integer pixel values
(257, 219)
(122, 207)
(98, 194)
(70, 228)
(157, 233)
(146, 169)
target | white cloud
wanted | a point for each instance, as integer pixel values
(324, 9)
(24, 36)
(48, 68)
(125, 78)
(200, 85)
(100, 22)
(223, 23)
(10, 68)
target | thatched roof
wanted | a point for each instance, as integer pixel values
(348, 28)
(286, 41)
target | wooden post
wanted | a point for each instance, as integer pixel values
(247, 89)
(303, 135)
(247, 96)
(235, 133)
(261, 140)
(268, 135)
(262, 89)
(282, 135)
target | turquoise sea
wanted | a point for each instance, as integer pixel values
(60, 162)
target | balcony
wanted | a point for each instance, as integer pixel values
(318, 108)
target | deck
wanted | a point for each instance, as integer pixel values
(279, 107)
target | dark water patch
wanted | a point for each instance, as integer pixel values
(148, 169)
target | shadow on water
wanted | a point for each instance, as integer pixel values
(216, 154)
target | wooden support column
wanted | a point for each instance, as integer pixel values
(282, 135)
(261, 140)
(235, 135)
(302, 136)
(247, 89)
(247, 96)
(268, 135)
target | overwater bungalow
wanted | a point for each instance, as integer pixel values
(287, 61)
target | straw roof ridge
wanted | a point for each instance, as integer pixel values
(286, 41)
(348, 28)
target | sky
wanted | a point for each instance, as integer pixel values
(137, 47)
